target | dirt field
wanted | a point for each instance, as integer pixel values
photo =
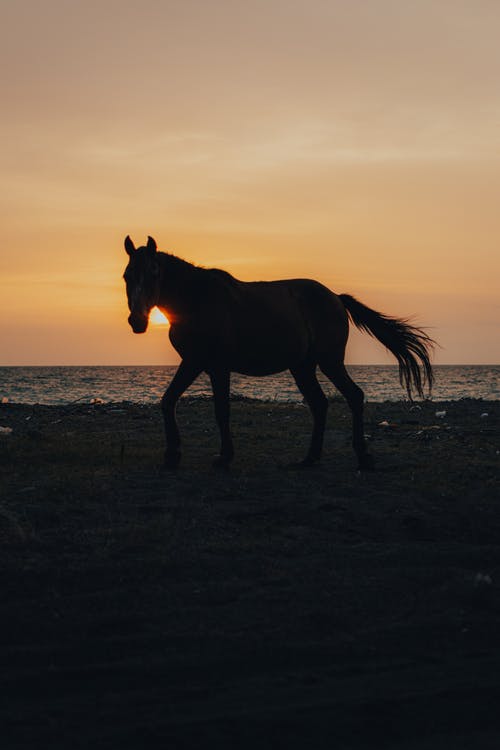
(262, 607)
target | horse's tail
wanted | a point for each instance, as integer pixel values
(409, 344)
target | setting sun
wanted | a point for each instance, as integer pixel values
(157, 318)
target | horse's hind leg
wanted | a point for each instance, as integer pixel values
(308, 385)
(354, 396)
(220, 380)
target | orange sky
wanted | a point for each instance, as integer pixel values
(357, 143)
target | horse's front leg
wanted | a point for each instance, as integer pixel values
(220, 380)
(185, 375)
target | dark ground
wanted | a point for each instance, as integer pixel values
(265, 607)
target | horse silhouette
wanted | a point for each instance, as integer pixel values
(220, 325)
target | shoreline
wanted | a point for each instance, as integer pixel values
(96, 401)
(147, 384)
(264, 604)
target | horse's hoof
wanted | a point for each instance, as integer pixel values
(172, 460)
(366, 463)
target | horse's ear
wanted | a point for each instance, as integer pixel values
(129, 245)
(151, 246)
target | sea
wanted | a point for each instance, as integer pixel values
(146, 384)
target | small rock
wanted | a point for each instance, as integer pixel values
(441, 414)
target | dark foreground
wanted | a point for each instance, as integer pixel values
(265, 607)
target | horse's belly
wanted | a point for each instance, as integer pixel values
(259, 370)
(259, 353)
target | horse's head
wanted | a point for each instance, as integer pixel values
(142, 277)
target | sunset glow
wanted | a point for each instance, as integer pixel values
(157, 318)
(353, 143)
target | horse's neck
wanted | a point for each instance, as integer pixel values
(178, 285)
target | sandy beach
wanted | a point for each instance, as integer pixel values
(262, 607)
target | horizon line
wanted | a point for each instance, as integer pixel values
(176, 364)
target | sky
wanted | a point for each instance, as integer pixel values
(357, 143)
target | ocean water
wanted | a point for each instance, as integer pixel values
(63, 385)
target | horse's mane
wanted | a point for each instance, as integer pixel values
(182, 267)
(176, 264)
(223, 275)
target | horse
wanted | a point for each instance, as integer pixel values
(219, 325)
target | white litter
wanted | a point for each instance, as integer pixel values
(481, 579)
(484, 415)
(5, 430)
(441, 414)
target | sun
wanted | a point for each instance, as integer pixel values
(157, 318)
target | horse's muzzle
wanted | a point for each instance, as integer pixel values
(138, 325)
